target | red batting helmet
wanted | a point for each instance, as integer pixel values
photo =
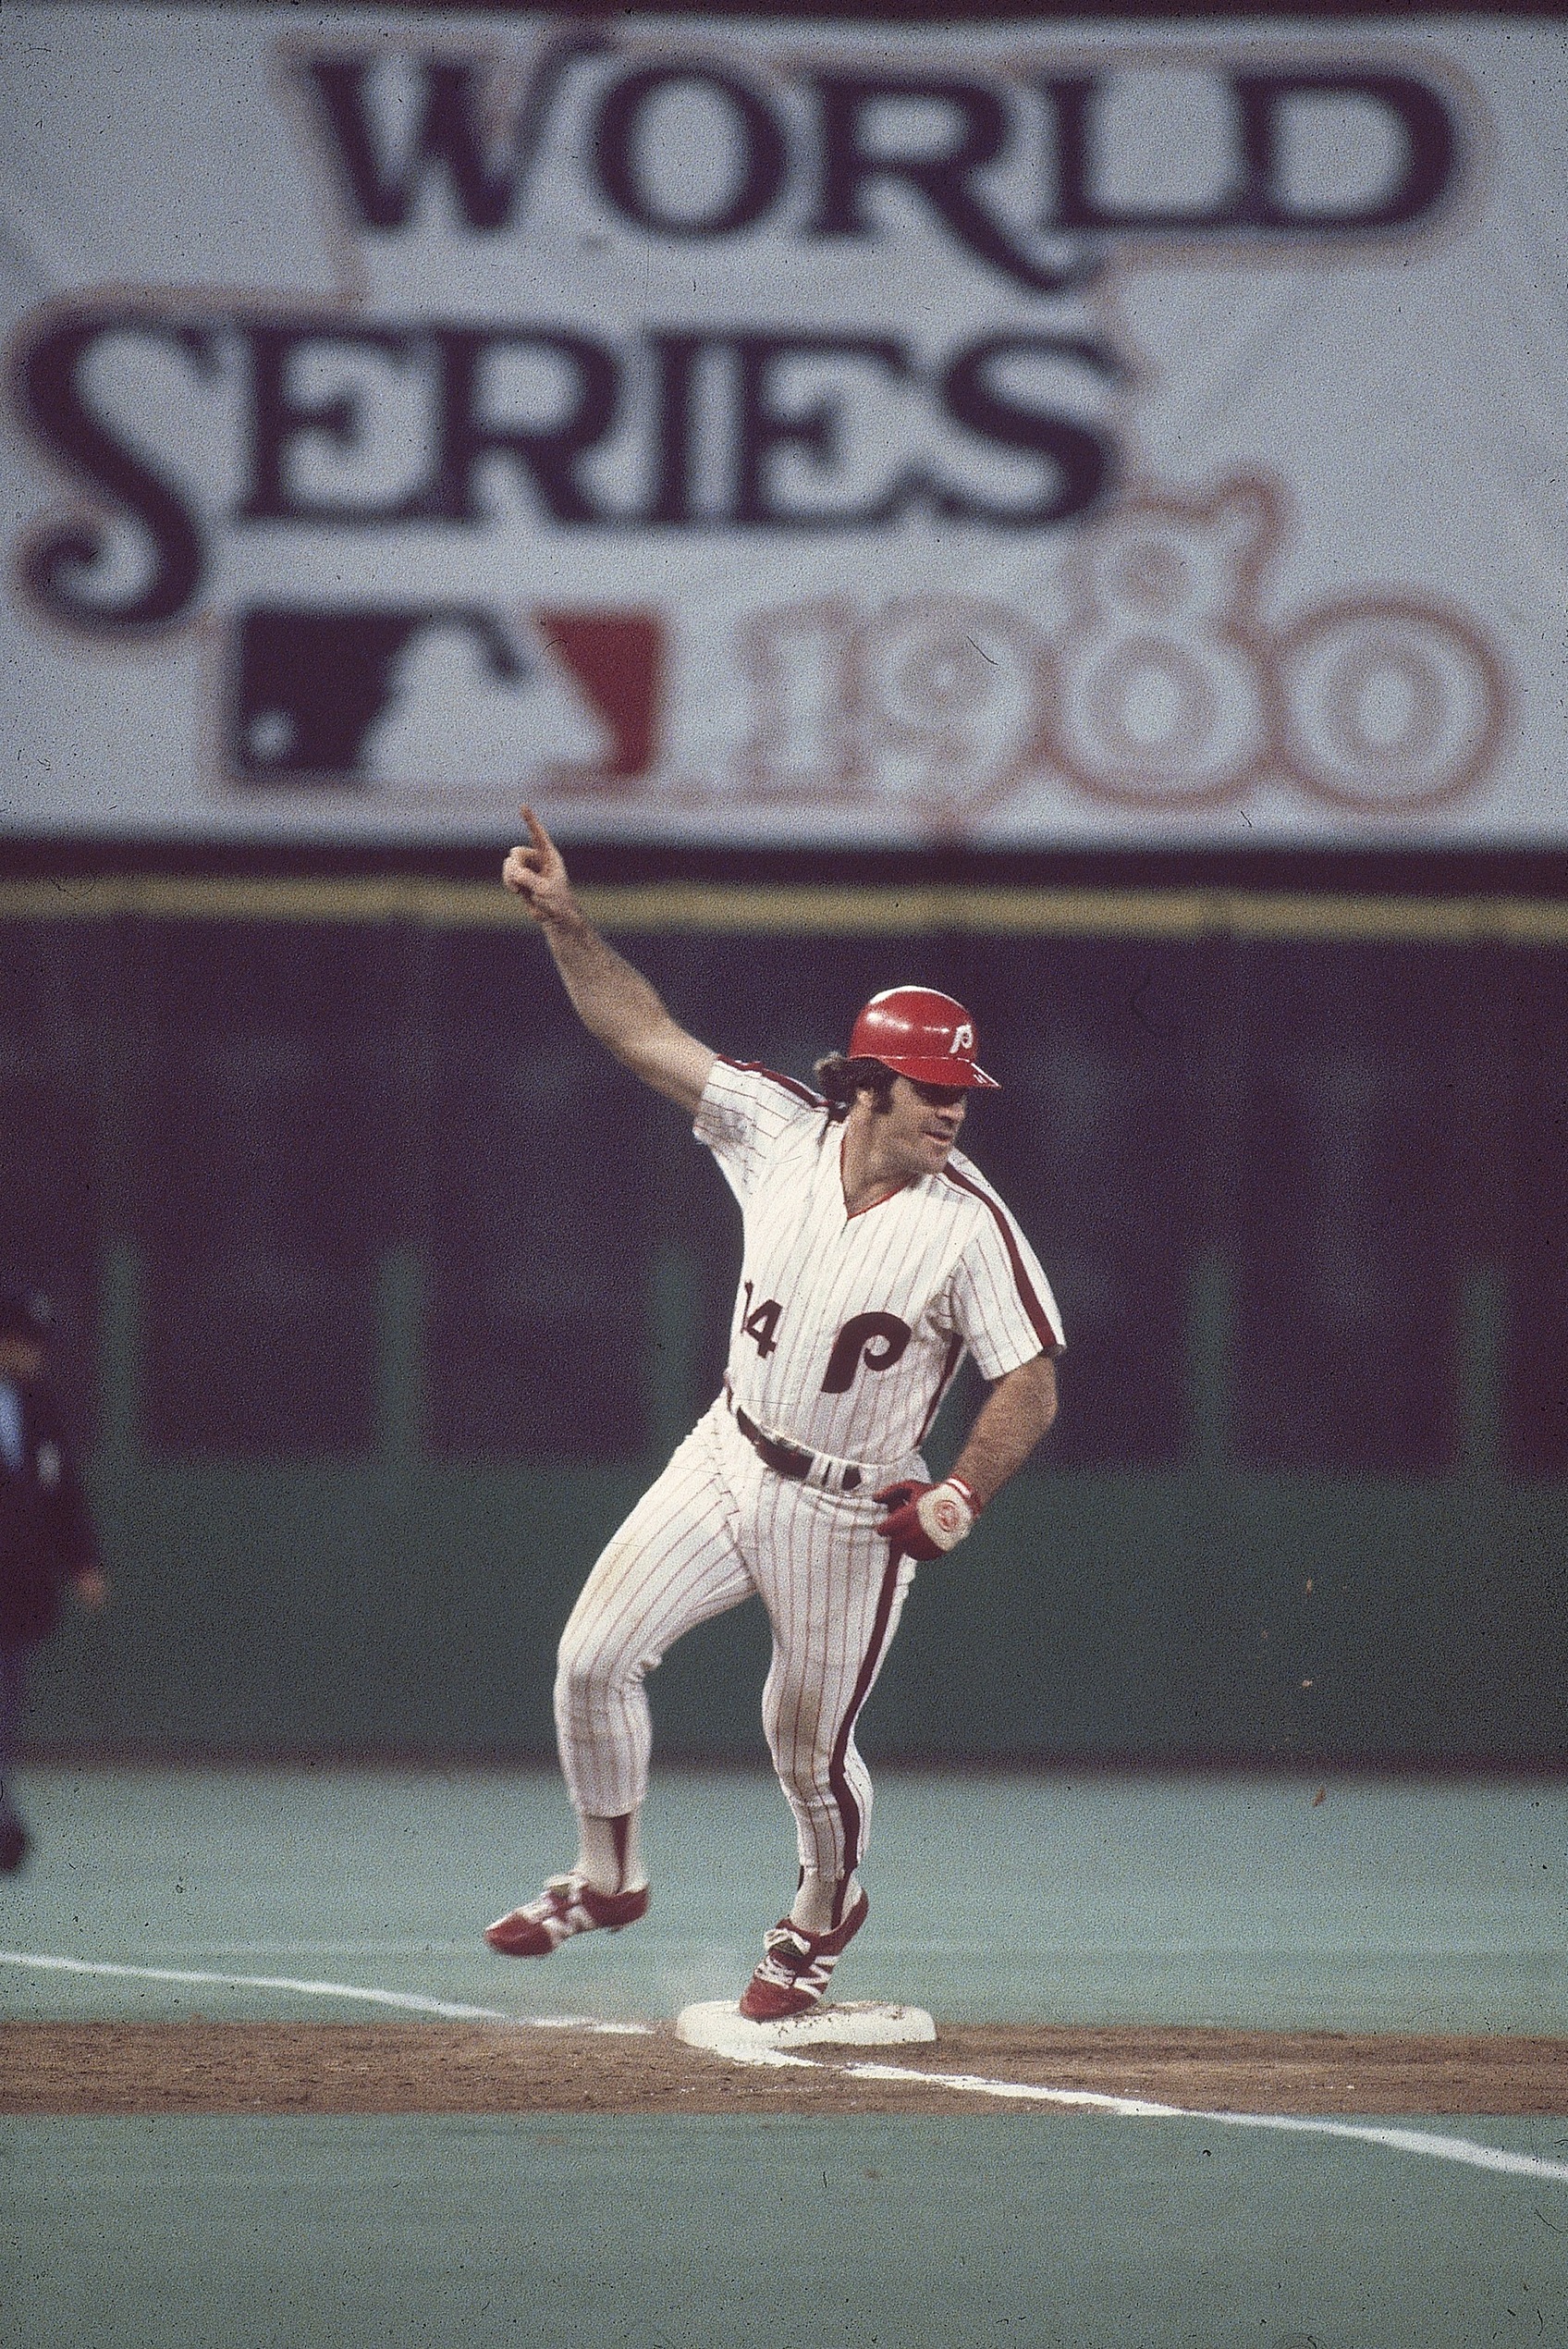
(920, 1035)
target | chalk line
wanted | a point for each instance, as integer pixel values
(411, 2001)
(1422, 2141)
(1465, 2149)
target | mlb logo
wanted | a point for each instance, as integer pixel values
(408, 700)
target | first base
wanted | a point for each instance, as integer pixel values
(719, 2023)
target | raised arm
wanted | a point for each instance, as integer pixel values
(615, 1002)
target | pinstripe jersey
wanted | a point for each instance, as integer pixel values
(848, 1329)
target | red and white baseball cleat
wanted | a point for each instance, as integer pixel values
(796, 1965)
(568, 1904)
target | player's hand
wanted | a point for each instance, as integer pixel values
(536, 870)
(92, 1588)
(927, 1521)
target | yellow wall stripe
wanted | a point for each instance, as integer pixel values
(809, 912)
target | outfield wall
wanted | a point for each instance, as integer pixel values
(382, 1293)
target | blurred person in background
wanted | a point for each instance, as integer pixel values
(47, 1534)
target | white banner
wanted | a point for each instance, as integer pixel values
(784, 432)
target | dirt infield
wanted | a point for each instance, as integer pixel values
(390, 2068)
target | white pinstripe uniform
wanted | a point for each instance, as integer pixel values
(848, 1331)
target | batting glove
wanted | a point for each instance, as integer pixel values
(926, 1521)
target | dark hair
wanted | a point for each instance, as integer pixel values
(841, 1079)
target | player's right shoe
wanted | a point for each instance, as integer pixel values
(796, 1965)
(568, 1904)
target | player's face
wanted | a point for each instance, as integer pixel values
(921, 1125)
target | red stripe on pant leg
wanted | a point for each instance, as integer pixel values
(849, 1809)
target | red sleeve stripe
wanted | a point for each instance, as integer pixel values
(950, 1368)
(1038, 1318)
(755, 1069)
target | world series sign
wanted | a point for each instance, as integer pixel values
(783, 432)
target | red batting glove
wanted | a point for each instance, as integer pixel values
(927, 1521)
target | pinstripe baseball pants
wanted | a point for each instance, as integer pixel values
(715, 1527)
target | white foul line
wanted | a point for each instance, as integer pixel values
(411, 2001)
(1521, 2165)
(1465, 2149)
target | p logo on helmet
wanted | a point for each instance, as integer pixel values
(920, 1034)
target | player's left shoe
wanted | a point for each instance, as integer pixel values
(796, 1966)
(568, 1904)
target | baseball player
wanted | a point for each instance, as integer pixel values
(875, 1257)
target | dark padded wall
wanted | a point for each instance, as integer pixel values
(383, 1289)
